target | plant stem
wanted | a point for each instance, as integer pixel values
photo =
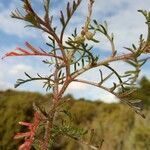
(48, 130)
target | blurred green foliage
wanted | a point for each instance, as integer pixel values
(119, 126)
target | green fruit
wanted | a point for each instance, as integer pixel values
(89, 35)
(79, 39)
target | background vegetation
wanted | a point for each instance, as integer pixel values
(119, 126)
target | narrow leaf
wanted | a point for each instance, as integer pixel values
(68, 10)
(62, 19)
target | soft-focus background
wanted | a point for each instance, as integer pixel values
(118, 125)
(121, 128)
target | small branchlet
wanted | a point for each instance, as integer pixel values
(147, 17)
(103, 29)
(70, 10)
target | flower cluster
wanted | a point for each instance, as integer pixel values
(28, 136)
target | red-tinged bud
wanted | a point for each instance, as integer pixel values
(23, 51)
(26, 145)
(10, 54)
(22, 135)
(31, 47)
(25, 124)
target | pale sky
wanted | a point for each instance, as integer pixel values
(122, 17)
